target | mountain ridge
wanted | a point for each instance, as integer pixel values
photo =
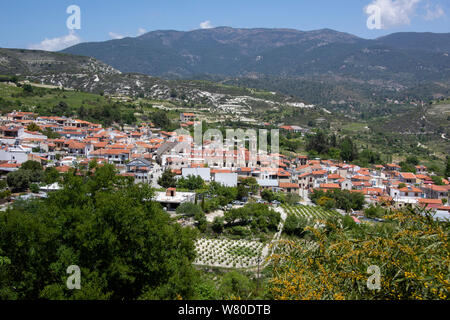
(238, 52)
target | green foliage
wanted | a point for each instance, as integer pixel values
(295, 225)
(348, 150)
(342, 199)
(270, 196)
(160, 119)
(126, 246)
(189, 209)
(218, 224)
(411, 250)
(375, 212)
(33, 127)
(34, 188)
(51, 175)
(235, 284)
(191, 183)
(19, 180)
(447, 168)
(200, 219)
(437, 180)
(259, 217)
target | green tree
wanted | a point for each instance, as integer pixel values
(348, 149)
(19, 180)
(447, 168)
(33, 127)
(189, 209)
(191, 183)
(235, 284)
(126, 246)
(160, 119)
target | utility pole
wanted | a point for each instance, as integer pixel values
(258, 275)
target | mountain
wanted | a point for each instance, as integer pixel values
(90, 75)
(26, 62)
(229, 52)
(435, 42)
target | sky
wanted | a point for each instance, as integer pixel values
(44, 24)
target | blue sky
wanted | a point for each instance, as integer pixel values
(42, 24)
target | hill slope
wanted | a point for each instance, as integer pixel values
(276, 52)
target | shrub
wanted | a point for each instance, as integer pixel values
(189, 209)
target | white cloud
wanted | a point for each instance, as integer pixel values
(116, 35)
(433, 13)
(141, 31)
(206, 25)
(394, 12)
(57, 44)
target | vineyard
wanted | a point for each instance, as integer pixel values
(310, 212)
(227, 253)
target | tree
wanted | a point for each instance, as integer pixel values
(191, 183)
(251, 183)
(295, 225)
(200, 219)
(126, 246)
(167, 179)
(242, 192)
(235, 284)
(447, 168)
(19, 180)
(33, 127)
(218, 224)
(318, 143)
(189, 209)
(268, 195)
(31, 165)
(34, 188)
(348, 150)
(51, 175)
(437, 180)
(27, 89)
(160, 119)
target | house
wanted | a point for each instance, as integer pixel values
(408, 177)
(115, 156)
(187, 117)
(204, 173)
(289, 187)
(141, 169)
(171, 198)
(330, 186)
(393, 167)
(421, 169)
(436, 192)
(226, 179)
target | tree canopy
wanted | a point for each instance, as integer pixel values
(126, 246)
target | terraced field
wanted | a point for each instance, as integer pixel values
(310, 212)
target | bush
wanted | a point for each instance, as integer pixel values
(218, 224)
(34, 188)
(295, 225)
(189, 209)
(411, 250)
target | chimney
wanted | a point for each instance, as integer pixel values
(171, 192)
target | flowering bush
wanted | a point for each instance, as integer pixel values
(411, 250)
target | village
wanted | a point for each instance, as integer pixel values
(146, 152)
